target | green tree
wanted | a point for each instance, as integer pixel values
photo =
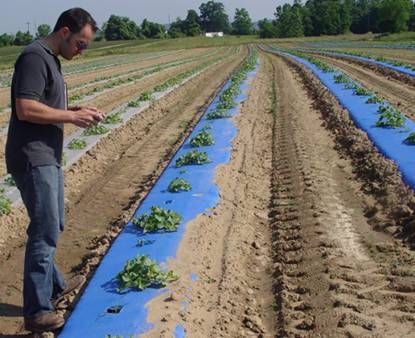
(394, 15)
(411, 23)
(266, 29)
(345, 16)
(43, 30)
(6, 40)
(192, 24)
(288, 20)
(176, 29)
(213, 17)
(121, 28)
(22, 39)
(361, 17)
(242, 25)
(152, 30)
(308, 28)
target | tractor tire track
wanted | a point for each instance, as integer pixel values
(104, 187)
(399, 94)
(334, 276)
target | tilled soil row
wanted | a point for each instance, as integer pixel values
(228, 248)
(384, 71)
(110, 100)
(76, 79)
(97, 86)
(397, 93)
(105, 186)
(395, 202)
(334, 276)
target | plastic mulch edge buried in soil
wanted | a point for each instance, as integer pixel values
(399, 69)
(389, 141)
(91, 317)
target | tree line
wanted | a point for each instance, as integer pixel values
(313, 18)
(333, 17)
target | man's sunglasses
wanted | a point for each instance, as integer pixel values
(81, 45)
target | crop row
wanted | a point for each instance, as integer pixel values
(373, 57)
(94, 64)
(389, 116)
(116, 117)
(142, 272)
(129, 77)
(355, 44)
(129, 72)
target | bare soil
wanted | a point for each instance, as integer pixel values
(384, 71)
(311, 236)
(85, 77)
(229, 247)
(109, 100)
(396, 92)
(336, 276)
(404, 55)
(105, 186)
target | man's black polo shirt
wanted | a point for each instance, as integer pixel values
(37, 76)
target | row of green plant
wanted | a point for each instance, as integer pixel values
(228, 97)
(135, 76)
(389, 117)
(324, 67)
(122, 81)
(376, 58)
(129, 72)
(142, 272)
(173, 81)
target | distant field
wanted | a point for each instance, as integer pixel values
(103, 48)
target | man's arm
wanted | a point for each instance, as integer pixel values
(37, 112)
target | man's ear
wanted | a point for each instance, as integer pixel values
(65, 32)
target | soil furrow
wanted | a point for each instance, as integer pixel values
(104, 187)
(332, 269)
(109, 100)
(381, 70)
(397, 93)
(228, 248)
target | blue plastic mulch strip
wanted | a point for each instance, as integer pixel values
(179, 332)
(93, 315)
(400, 69)
(389, 141)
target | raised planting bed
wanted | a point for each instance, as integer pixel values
(113, 305)
(388, 129)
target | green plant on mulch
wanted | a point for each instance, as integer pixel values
(133, 103)
(9, 181)
(146, 96)
(178, 185)
(341, 78)
(77, 143)
(410, 139)
(142, 272)
(113, 118)
(360, 91)
(374, 99)
(5, 204)
(202, 139)
(98, 129)
(390, 117)
(218, 114)
(193, 157)
(158, 219)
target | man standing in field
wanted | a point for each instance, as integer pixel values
(34, 154)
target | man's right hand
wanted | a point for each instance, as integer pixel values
(85, 117)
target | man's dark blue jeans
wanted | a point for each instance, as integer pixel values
(42, 193)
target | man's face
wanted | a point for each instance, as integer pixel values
(74, 44)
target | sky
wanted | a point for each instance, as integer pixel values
(19, 14)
